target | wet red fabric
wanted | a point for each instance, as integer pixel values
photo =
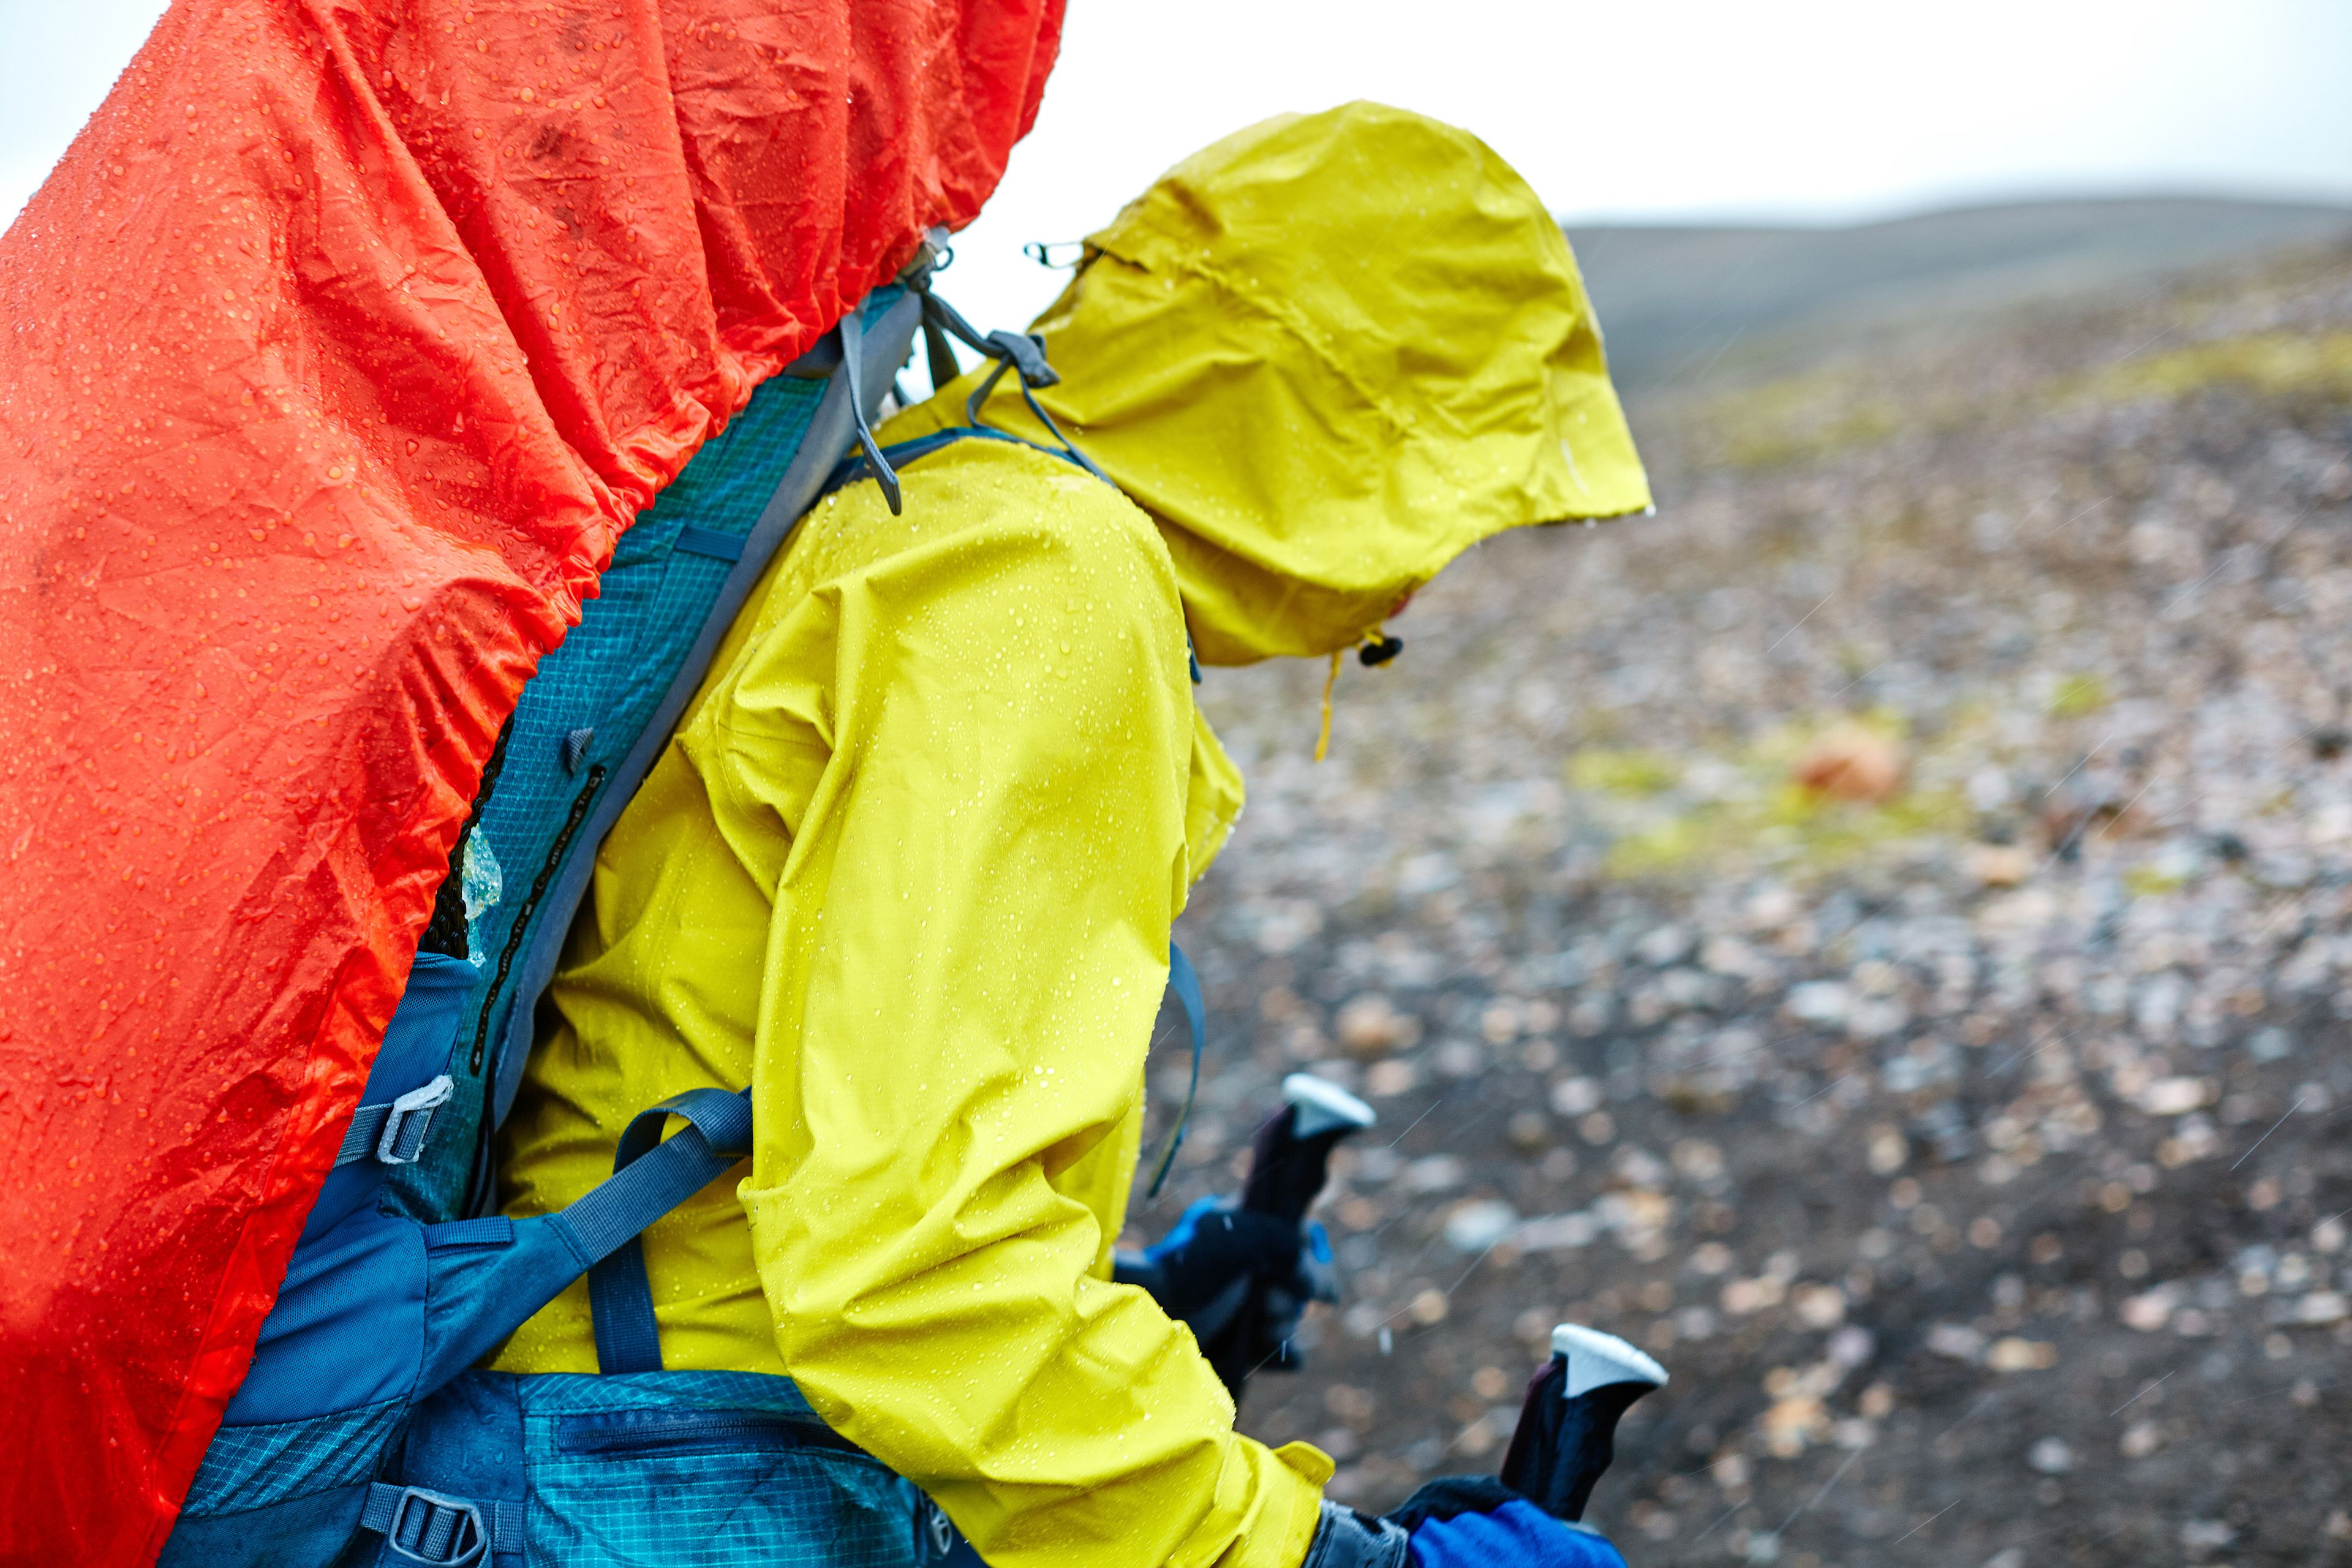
(333, 359)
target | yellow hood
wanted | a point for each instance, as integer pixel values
(1328, 353)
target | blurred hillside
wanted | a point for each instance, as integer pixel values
(1680, 303)
(1966, 1134)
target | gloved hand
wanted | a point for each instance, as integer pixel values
(1218, 1260)
(1460, 1521)
(1477, 1521)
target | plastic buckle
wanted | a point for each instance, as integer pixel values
(940, 1530)
(417, 1102)
(431, 1528)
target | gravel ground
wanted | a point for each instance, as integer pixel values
(1965, 1128)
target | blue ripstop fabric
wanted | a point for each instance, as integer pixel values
(254, 1466)
(668, 1469)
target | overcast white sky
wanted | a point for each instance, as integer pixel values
(1807, 111)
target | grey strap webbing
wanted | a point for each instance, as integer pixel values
(394, 1131)
(421, 1526)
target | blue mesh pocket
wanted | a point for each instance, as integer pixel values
(285, 1494)
(710, 1489)
(668, 1469)
(254, 1467)
(695, 1487)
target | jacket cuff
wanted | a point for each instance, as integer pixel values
(1345, 1539)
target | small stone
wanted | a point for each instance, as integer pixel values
(2322, 1307)
(1697, 1159)
(1667, 944)
(1479, 1224)
(1371, 1026)
(2148, 1311)
(1557, 1233)
(1793, 1422)
(1530, 1131)
(1822, 1002)
(1436, 1174)
(2014, 1355)
(1575, 1096)
(1460, 1058)
(2270, 1043)
(2177, 1096)
(2050, 1456)
(1852, 764)
(1956, 1341)
(1819, 1306)
(2207, 1534)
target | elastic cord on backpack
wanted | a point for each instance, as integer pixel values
(1021, 351)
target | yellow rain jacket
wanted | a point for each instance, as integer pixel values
(908, 866)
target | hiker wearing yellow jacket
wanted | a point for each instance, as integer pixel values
(910, 864)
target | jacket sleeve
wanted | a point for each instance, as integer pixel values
(993, 733)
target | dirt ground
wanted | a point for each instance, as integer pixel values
(1874, 934)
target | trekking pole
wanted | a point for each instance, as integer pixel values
(1289, 1162)
(1568, 1426)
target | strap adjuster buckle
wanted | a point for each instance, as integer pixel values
(940, 1530)
(401, 1141)
(434, 1528)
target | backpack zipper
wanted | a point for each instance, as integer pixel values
(521, 927)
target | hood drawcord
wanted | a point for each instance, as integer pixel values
(1376, 649)
(1323, 736)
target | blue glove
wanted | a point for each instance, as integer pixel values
(1216, 1254)
(1219, 1258)
(1477, 1521)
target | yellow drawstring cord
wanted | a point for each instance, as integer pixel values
(1323, 738)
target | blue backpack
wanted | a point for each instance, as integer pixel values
(361, 1434)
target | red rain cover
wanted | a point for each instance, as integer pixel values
(333, 358)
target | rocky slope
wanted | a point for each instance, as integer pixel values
(1966, 1130)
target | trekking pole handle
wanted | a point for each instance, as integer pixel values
(1567, 1434)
